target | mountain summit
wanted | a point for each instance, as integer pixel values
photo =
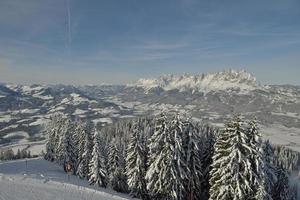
(228, 79)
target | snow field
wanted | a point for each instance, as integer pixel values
(44, 180)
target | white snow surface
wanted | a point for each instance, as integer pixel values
(230, 79)
(77, 99)
(39, 121)
(47, 181)
(29, 111)
(17, 133)
(5, 118)
(103, 120)
(281, 135)
(79, 111)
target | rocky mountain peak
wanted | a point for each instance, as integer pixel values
(228, 79)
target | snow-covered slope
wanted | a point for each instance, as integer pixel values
(47, 181)
(229, 79)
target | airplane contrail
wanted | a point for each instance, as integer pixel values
(68, 26)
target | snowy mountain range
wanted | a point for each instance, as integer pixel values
(211, 98)
(231, 79)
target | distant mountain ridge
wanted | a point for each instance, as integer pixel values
(228, 79)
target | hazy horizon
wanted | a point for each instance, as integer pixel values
(134, 81)
(113, 42)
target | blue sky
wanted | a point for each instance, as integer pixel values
(119, 41)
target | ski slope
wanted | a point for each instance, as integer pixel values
(44, 180)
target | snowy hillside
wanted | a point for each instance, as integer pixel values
(230, 79)
(47, 181)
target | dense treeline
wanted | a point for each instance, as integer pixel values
(9, 154)
(170, 157)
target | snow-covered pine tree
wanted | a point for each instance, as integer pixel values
(50, 147)
(29, 154)
(8, 154)
(193, 160)
(232, 174)
(156, 140)
(24, 153)
(113, 158)
(117, 177)
(87, 143)
(97, 172)
(79, 141)
(62, 143)
(18, 155)
(281, 187)
(52, 131)
(208, 138)
(168, 171)
(285, 157)
(136, 163)
(258, 185)
(270, 178)
(261, 192)
(293, 192)
(156, 143)
(66, 146)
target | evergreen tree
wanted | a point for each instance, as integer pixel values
(53, 130)
(66, 146)
(157, 141)
(232, 174)
(270, 178)
(117, 177)
(23, 154)
(8, 154)
(285, 158)
(193, 160)
(86, 151)
(80, 136)
(97, 174)
(281, 187)
(258, 163)
(136, 164)
(261, 192)
(29, 154)
(18, 155)
(208, 139)
(168, 171)
(1, 155)
(293, 192)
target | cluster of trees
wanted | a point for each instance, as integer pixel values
(285, 157)
(9, 154)
(244, 167)
(88, 151)
(169, 157)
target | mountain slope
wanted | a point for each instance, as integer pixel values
(24, 109)
(45, 180)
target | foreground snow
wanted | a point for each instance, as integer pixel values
(47, 181)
